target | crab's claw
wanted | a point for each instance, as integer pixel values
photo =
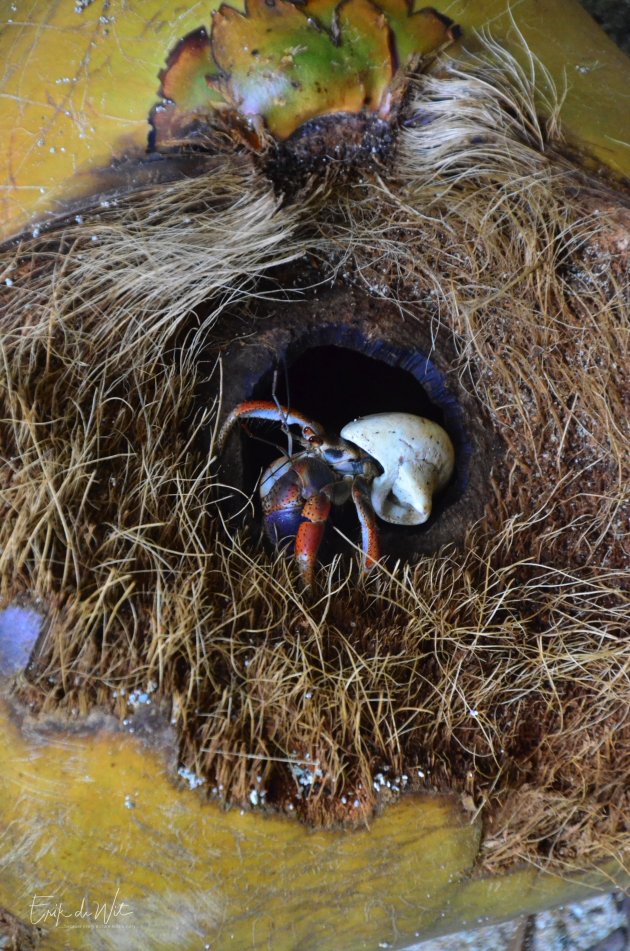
(267, 409)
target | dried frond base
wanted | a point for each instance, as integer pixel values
(499, 669)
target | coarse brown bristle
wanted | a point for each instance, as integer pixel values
(500, 668)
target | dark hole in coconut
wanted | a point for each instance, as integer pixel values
(335, 382)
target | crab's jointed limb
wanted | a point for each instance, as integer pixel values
(367, 519)
(266, 409)
(298, 490)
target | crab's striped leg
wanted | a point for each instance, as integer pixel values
(367, 520)
(310, 533)
(267, 409)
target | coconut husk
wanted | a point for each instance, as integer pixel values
(488, 653)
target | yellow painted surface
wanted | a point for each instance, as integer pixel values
(175, 872)
(76, 86)
(77, 83)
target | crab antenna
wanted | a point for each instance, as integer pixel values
(285, 425)
(265, 442)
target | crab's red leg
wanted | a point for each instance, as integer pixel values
(267, 409)
(367, 518)
(310, 533)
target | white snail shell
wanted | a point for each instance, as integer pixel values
(417, 457)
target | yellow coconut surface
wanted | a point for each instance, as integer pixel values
(78, 80)
(100, 849)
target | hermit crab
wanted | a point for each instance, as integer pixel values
(390, 464)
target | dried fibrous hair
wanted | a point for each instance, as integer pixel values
(499, 669)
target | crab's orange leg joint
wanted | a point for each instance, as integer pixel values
(310, 533)
(267, 409)
(367, 519)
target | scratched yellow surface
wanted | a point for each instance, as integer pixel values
(78, 79)
(76, 85)
(95, 824)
